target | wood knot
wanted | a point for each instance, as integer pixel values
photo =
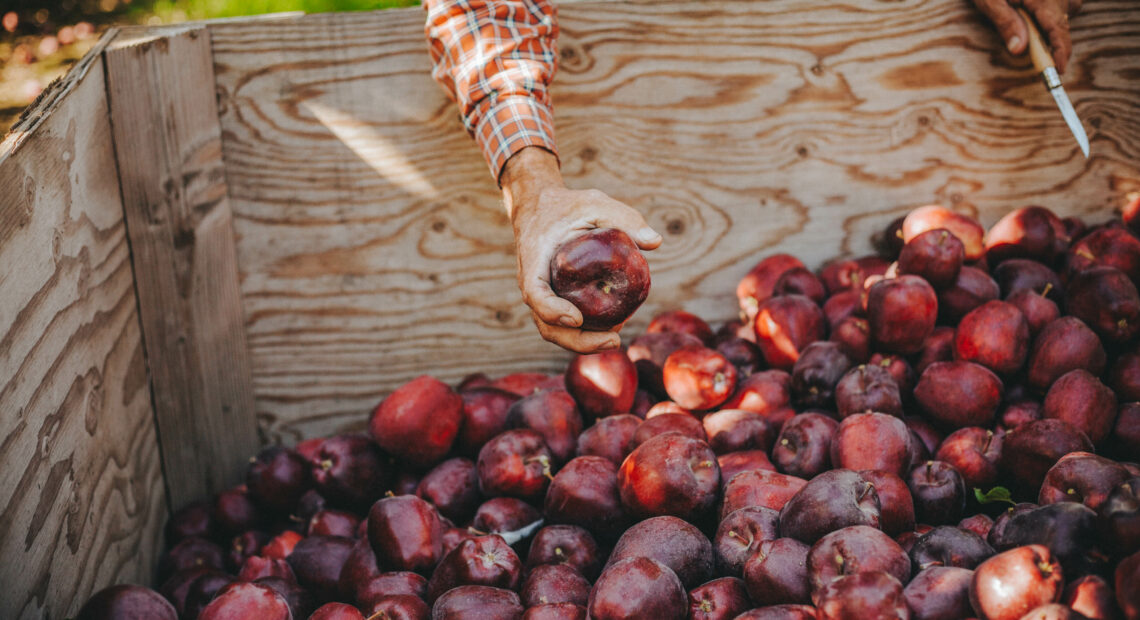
(588, 154)
(502, 316)
(802, 151)
(923, 121)
(438, 226)
(817, 69)
(675, 227)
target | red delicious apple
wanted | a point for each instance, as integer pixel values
(828, 502)
(719, 599)
(758, 487)
(1063, 345)
(481, 561)
(933, 217)
(478, 602)
(658, 424)
(610, 438)
(638, 587)
(503, 515)
(784, 326)
(747, 460)
(872, 594)
(739, 536)
(815, 373)
(800, 281)
(453, 487)
(241, 600)
(1030, 450)
(1105, 247)
(1126, 577)
(552, 414)
(872, 441)
(1010, 584)
(1092, 597)
(675, 543)
(277, 478)
(603, 383)
(901, 312)
(681, 322)
(939, 593)
(1037, 309)
(565, 544)
(733, 430)
(515, 464)
(947, 545)
(405, 532)
(1126, 432)
(868, 388)
(603, 274)
(766, 392)
(849, 274)
(756, 286)
(351, 471)
(1107, 300)
(333, 523)
(744, 354)
(317, 562)
(979, 524)
(803, 448)
(524, 384)
(554, 583)
(280, 546)
(485, 411)
(698, 378)
(852, 550)
(1027, 232)
(973, 288)
(418, 422)
(853, 335)
(193, 519)
(844, 305)
(1079, 398)
(384, 585)
(777, 572)
(938, 347)
(586, 493)
(670, 474)
(896, 505)
(1081, 477)
(973, 452)
(935, 255)
(958, 394)
(995, 335)
(336, 611)
(1019, 274)
(127, 601)
(1124, 377)
(190, 553)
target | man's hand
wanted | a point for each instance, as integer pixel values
(1051, 15)
(545, 214)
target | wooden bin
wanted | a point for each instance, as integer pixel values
(219, 235)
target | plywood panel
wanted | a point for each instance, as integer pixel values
(81, 494)
(372, 245)
(168, 143)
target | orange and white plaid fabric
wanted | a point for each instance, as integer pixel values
(496, 59)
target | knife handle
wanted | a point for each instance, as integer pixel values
(1040, 55)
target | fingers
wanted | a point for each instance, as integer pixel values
(1008, 23)
(578, 340)
(624, 218)
(1053, 19)
(548, 307)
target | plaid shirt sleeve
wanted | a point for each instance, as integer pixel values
(496, 58)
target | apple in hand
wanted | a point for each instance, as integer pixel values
(603, 274)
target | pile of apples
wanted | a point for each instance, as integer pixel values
(947, 429)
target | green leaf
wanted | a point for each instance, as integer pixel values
(996, 494)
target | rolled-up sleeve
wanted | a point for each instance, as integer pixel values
(496, 58)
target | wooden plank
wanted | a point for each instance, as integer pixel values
(82, 502)
(168, 145)
(371, 242)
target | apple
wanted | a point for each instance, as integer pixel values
(603, 274)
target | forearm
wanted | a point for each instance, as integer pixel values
(496, 58)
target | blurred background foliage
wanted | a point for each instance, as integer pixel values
(41, 39)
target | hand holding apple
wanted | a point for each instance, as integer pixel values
(546, 214)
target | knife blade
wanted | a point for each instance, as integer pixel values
(1043, 63)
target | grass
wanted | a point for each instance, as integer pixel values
(180, 10)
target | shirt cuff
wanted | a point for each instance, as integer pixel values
(512, 124)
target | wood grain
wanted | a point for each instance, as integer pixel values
(81, 494)
(371, 242)
(168, 144)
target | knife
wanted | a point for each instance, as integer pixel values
(1043, 62)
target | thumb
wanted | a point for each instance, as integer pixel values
(630, 221)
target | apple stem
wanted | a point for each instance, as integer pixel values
(1048, 287)
(1045, 568)
(989, 438)
(326, 464)
(746, 541)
